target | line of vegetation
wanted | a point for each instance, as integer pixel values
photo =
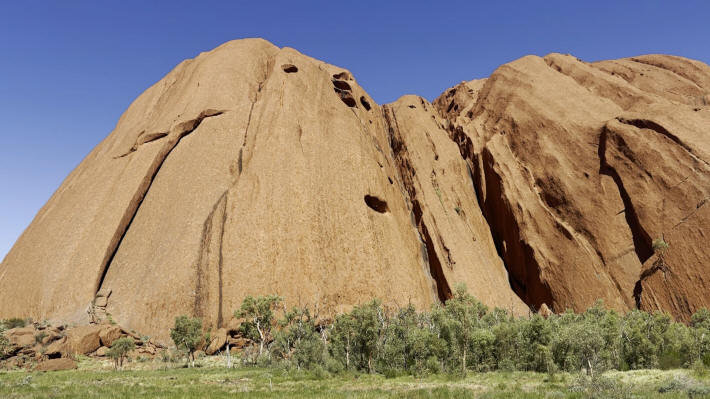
(464, 335)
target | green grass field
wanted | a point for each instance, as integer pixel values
(155, 380)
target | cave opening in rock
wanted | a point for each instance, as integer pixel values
(289, 68)
(376, 204)
(364, 103)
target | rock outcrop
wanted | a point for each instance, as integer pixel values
(252, 170)
(43, 347)
(581, 166)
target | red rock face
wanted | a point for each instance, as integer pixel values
(255, 170)
(582, 166)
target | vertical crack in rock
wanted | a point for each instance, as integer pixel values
(524, 271)
(129, 214)
(641, 238)
(213, 228)
(517, 256)
(407, 174)
(244, 158)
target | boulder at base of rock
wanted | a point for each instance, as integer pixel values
(83, 339)
(21, 337)
(56, 365)
(101, 352)
(218, 340)
(57, 348)
(108, 334)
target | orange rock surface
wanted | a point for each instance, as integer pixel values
(253, 170)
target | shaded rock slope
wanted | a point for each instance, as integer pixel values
(252, 169)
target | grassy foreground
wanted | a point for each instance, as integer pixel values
(96, 380)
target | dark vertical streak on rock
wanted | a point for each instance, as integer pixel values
(517, 256)
(220, 316)
(641, 238)
(203, 289)
(524, 272)
(407, 174)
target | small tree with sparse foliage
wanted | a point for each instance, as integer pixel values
(259, 316)
(187, 335)
(120, 349)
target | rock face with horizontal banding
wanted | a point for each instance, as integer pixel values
(254, 170)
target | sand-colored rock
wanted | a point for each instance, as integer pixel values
(101, 352)
(21, 337)
(108, 334)
(581, 166)
(83, 339)
(254, 170)
(56, 365)
(217, 340)
(247, 170)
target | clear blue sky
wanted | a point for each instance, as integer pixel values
(68, 69)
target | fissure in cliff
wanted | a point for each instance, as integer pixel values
(407, 176)
(129, 214)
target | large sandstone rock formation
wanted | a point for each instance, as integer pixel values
(580, 167)
(255, 170)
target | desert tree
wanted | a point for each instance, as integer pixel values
(258, 315)
(187, 335)
(120, 349)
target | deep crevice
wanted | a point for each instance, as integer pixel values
(517, 256)
(641, 238)
(524, 272)
(407, 173)
(129, 214)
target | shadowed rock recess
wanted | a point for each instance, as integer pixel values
(254, 170)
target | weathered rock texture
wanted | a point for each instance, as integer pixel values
(581, 166)
(256, 170)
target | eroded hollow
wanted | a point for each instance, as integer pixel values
(342, 75)
(364, 103)
(342, 85)
(347, 97)
(289, 68)
(376, 204)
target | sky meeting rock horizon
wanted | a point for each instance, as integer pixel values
(71, 68)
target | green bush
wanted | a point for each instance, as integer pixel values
(187, 335)
(119, 350)
(464, 335)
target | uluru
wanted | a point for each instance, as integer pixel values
(253, 169)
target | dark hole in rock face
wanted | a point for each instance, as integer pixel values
(54, 355)
(342, 85)
(289, 68)
(365, 104)
(376, 204)
(348, 98)
(342, 76)
(390, 179)
(412, 106)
